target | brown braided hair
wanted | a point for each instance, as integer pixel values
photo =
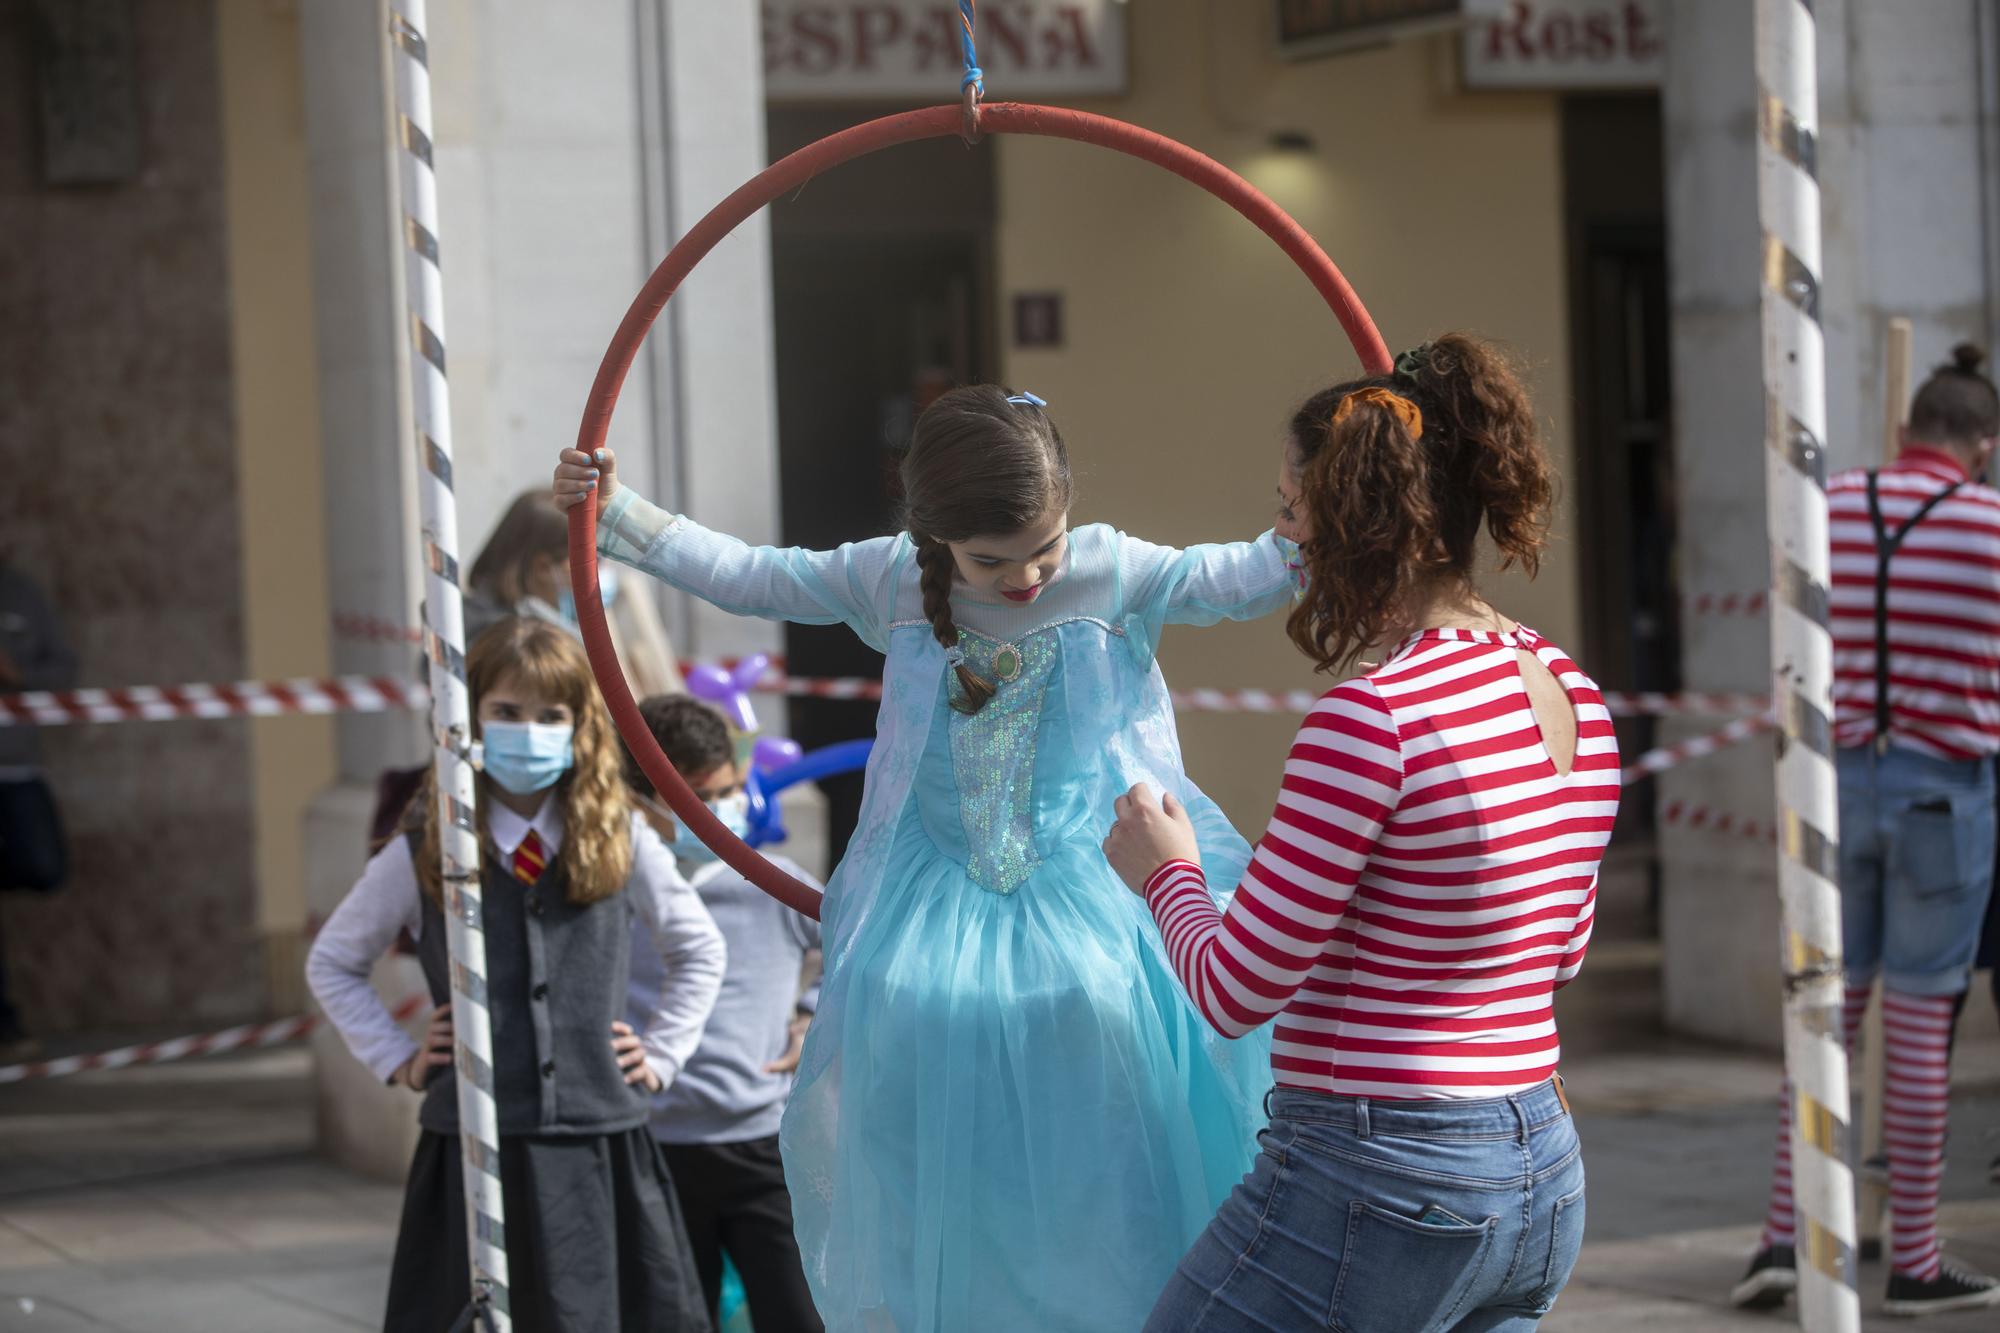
(1391, 511)
(978, 466)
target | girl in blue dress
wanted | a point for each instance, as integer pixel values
(1007, 1117)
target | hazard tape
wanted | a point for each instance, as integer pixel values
(249, 1036)
(376, 694)
(1695, 747)
(1728, 603)
(1687, 814)
(247, 698)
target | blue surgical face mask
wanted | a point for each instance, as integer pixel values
(733, 811)
(527, 757)
(607, 593)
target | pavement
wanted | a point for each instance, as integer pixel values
(189, 1197)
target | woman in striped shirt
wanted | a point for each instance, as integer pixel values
(1425, 884)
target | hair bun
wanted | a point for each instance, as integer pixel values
(1966, 359)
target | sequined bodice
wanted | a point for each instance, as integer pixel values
(978, 793)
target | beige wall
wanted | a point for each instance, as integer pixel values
(1190, 336)
(283, 534)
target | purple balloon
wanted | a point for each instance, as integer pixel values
(730, 690)
(774, 752)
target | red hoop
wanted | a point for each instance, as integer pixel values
(778, 179)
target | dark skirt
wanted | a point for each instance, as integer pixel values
(595, 1242)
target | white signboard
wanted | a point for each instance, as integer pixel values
(899, 50)
(1568, 44)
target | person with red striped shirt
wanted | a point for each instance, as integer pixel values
(1915, 611)
(1426, 883)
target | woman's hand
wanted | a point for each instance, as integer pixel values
(631, 1053)
(788, 1063)
(1149, 833)
(577, 477)
(432, 1055)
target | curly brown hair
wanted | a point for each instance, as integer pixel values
(979, 465)
(1393, 512)
(545, 659)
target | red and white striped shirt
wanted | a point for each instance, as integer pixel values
(1944, 609)
(1427, 881)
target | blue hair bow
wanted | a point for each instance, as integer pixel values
(1028, 400)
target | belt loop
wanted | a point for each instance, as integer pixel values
(1521, 1117)
(1361, 1117)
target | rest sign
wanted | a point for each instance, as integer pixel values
(1562, 44)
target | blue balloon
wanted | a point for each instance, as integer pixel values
(767, 823)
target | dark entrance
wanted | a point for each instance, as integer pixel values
(882, 299)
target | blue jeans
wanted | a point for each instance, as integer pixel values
(1369, 1216)
(1916, 867)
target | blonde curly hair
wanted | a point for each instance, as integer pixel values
(541, 658)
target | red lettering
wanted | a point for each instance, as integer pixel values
(936, 38)
(1559, 38)
(1642, 40)
(1510, 29)
(815, 28)
(1600, 37)
(1058, 42)
(1011, 32)
(874, 25)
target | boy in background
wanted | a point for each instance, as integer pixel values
(717, 1122)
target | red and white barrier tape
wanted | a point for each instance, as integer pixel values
(1653, 704)
(1728, 603)
(1664, 757)
(248, 698)
(1686, 814)
(253, 1035)
(375, 694)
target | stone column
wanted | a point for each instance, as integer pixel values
(1904, 184)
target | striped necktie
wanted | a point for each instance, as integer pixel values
(530, 857)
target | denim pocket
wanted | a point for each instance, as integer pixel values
(1940, 842)
(1565, 1243)
(1404, 1274)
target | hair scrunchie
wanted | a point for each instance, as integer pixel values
(1395, 404)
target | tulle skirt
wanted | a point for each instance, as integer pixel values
(1021, 1123)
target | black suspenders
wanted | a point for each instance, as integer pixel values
(1886, 546)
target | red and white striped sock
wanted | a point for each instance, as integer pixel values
(1916, 1045)
(1781, 1221)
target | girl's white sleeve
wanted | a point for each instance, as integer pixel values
(691, 951)
(850, 585)
(383, 902)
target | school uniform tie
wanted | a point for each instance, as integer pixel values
(530, 858)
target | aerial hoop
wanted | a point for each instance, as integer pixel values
(780, 178)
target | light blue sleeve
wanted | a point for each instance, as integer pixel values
(1162, 585)
(852, 585)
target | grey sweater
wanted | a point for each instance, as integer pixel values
(723, 1094)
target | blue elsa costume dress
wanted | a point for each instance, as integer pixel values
(1007, 1117)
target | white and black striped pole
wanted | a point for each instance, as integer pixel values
(1788, 204)
(444, 643)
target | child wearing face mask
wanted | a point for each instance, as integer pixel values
(718, 1123)
(571, 876)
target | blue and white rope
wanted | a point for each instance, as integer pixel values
(444, 645)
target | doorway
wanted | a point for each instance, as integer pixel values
(882, 299)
